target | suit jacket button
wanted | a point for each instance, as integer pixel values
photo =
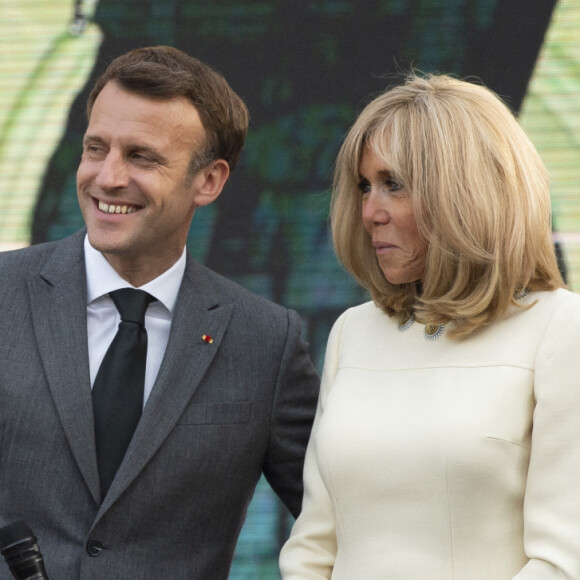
(94, 548)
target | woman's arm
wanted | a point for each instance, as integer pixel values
(310, 552)
(552, 497)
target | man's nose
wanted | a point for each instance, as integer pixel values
(113, 173)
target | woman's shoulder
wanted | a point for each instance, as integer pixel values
(359, 327)
(547, 317)
(558, 296)
(546, 304)
(365, 310)
(367, 315)
(559, 310)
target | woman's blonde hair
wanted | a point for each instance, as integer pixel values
(480, 196)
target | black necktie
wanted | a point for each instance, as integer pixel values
(118, 387)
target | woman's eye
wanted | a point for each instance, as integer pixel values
(364, 186)
(393, 185)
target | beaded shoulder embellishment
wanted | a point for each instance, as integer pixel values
(431, 331)
(402, 326)
(522, 294)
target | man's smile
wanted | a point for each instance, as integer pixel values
(116, 208)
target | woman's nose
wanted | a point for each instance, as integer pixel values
(374, 210)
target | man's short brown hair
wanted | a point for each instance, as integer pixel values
(164, 72)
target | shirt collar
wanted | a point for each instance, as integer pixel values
(102, 278)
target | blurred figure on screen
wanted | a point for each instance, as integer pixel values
(447, 438)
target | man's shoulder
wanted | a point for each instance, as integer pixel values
(33, 259)
(228, 291)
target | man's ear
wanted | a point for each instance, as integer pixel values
(210, 181)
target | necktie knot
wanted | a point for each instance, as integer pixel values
(131, 304)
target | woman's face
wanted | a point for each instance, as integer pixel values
(387, 213)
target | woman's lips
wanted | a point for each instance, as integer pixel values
(381, 247)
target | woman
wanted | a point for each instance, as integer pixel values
(447, 439)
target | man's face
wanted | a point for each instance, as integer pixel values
(132, 182)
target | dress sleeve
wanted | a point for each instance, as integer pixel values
(552, 496)
(310, 552)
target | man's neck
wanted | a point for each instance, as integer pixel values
(139, 271)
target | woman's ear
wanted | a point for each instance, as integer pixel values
(210, 181)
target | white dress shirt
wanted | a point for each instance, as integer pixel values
(103, 317)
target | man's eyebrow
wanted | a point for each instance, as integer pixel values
(92, 139)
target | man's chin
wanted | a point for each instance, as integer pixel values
(107, 244)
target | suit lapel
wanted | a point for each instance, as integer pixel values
(58, 301)
(198, 312)
(58, 304)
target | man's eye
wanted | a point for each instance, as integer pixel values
(143, 158)
(94, 149)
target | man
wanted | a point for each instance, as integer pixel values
(229, 390)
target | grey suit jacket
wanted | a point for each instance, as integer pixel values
(219, 415)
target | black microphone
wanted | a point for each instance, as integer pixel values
(21, 552)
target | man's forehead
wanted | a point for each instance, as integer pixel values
(122, 114)
(113, 93)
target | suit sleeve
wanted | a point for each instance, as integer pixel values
(292, 414)
(310, 552)
(552, 497)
